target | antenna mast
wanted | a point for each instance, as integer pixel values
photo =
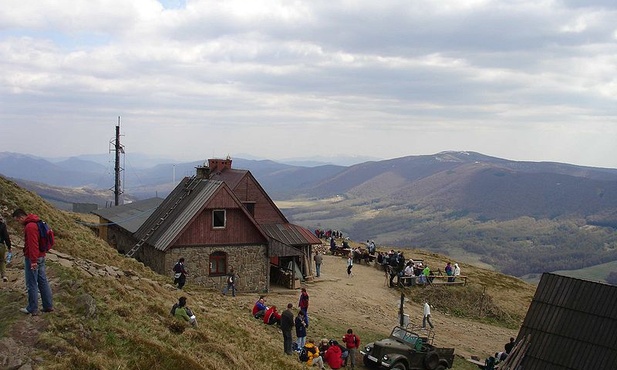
(118, 149)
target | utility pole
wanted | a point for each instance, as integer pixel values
(118, 149)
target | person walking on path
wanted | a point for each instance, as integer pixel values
(232, 277)
(287, 323)
(318, 261)
(352, 343)
(180, 273)
(303, 303)
(349, 265)
(5, 246)
(427, 316)
(34, 265)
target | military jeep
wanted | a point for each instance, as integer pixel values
(407, 350)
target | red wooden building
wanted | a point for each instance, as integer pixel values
(218, 219)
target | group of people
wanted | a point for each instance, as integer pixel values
(330, 352)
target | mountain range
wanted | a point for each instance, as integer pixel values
(511, 215)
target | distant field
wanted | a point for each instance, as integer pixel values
(594, 273)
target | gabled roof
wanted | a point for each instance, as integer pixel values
(233, 177)
(290, 234)
(185, 202)
(572, 324)
(131, 215)
(230, 176)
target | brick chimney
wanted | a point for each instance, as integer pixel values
(219, 165)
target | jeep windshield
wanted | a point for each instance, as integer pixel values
(405, 335)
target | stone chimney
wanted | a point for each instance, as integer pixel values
(202, 172)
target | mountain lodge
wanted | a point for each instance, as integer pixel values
(218, 219)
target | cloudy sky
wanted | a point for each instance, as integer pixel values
(522, 80)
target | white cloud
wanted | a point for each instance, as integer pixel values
(515, 79)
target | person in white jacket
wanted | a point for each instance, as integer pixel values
(427, 316)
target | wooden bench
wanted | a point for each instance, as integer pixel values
(436, 280)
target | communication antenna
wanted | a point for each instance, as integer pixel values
(114, 144)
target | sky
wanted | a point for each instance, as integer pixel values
(194, 79)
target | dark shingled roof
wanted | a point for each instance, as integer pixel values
(572, 324)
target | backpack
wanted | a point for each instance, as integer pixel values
(46, 236)
(303, 357)
(173, 309)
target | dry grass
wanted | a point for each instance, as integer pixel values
(132, 328)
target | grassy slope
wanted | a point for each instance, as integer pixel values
(131, 328)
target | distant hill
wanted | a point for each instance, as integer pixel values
(519, 217)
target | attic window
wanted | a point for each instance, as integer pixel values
(218, 219)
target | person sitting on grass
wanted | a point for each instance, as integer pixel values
(334, 356)
(181, 312)
(314, 359)
(260, 308)
(272, 316)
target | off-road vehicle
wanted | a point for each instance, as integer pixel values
(407, 350)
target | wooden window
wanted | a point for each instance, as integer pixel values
(218, 263)
(218, 219)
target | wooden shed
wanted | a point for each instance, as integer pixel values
(571, 324)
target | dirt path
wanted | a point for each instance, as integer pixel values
(363, 302)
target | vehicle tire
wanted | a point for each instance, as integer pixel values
(431, 361)
(399, 366)
(440, 367)
(369, 364)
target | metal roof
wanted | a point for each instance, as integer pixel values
(178, 209)
(290, 234)
(131, 215)
(572, 324)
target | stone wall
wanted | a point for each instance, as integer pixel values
(250, 262)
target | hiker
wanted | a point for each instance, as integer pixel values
(312, 352)
(259, 309)
(349, 265)
(352, 343)
(180, 273)
(318, 260)
(457, 271)
(287, 323)
(5, 247)
(181, 311)
(427, 316)
(509, 346)
(34, 265)
(449, 272)
(300, 330)
(231, 283)
(334, 356)
(272, 316)
(303, 304)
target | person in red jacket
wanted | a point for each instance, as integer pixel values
(334, 356)
(34, 265)
(352, 343)
(303, 303)
(272, 316)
